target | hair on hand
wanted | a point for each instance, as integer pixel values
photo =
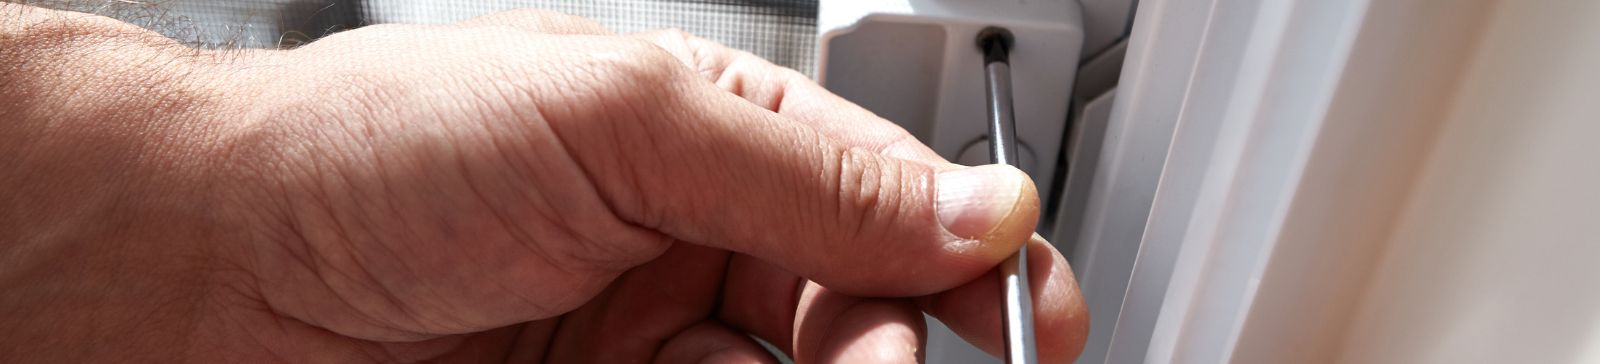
(156, 16)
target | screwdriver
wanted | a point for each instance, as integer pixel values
(1017, 317)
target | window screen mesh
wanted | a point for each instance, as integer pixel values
(783, 31)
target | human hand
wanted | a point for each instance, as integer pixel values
(519, 187)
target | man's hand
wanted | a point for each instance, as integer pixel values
(518, 187)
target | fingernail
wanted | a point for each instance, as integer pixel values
(973, 201)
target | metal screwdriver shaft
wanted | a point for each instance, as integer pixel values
(1018, 314)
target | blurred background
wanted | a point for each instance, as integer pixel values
(783, 31)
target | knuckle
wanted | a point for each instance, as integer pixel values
(362, 37)
(580, 23)
(608, 254)
(647, 56)
(637, 68)
(866, 190)
(677, 35)
(683, 45)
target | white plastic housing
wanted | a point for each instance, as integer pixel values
(916, 62)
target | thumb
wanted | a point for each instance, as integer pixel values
(743, 178)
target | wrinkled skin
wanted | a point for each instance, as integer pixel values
(523, 186)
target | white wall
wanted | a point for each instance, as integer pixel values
(1495, 257)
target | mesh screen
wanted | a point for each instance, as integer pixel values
(783, 31)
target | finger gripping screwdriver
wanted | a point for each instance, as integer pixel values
(1017, 317)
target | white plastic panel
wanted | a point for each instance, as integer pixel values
(1117, 167)
(1089, 131)
(1104, 22)
(1298, 121)
(917, 63)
